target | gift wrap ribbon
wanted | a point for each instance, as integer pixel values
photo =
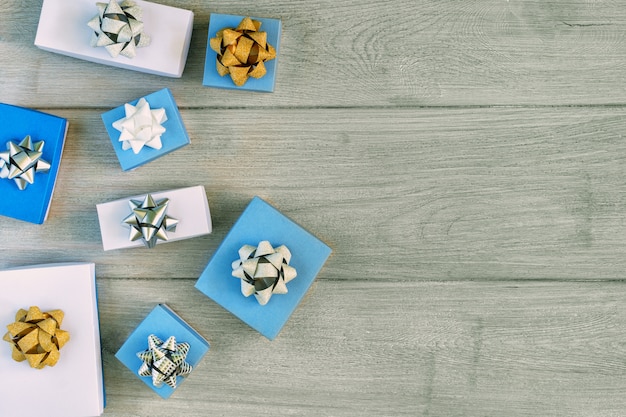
(243, 51)
(164, 361)
(37, 337)
(263, 270)
(21, 161)
(149, 220)
(118, 28)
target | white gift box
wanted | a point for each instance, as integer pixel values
(63, 29)
(74, 386)
(188, 205)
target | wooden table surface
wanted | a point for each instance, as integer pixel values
(464, 159)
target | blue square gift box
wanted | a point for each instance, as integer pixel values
(162, 322)
(140, 132)
(266, 83)
(33, 202)
(262, 222)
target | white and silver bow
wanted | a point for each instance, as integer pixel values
(263, 270)
(118, 28)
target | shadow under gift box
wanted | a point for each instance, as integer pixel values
(63, 29)
(260, 221)
(163, 322)
(74, 387)
(33, 203)
(212, 78)
(174, 137)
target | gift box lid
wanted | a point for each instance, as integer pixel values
(63, 29)
(260, 221)
(212, 78)
(28, 392)
(33, 203)
(174, 137)
(163, 322)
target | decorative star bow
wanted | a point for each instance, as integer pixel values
(118, 27)
(149, 220)
(141, 126)
(263, 270)
(242, 52)
(164, 361)
(37, 337)
(22, 161)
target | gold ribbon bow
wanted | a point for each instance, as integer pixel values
(242, 52)
(37, 337)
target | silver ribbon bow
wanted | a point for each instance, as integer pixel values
(22, 161)
(263, 270)
(118, 27)
(164, 361)
(149, 220)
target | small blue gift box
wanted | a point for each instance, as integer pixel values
(162, 322)
(260, 221)
(32, 203)
(264, 84)
(174, 137)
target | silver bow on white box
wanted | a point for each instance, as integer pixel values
(263, 270)
(149, 220)
(22, 161)
(118, 27)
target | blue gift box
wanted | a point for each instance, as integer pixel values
(260, 221)
(174, 137)
(163, 322)
(32, 203)
(264, 84)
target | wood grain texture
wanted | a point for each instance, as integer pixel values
(438, 194)
(464, 159)
(364, 53)
(418, 349)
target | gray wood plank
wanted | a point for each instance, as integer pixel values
(410, 194)
(388, 348)
(362, 53)
(464, 160)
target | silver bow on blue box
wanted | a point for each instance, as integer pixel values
(21, 161)
(164, 361)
